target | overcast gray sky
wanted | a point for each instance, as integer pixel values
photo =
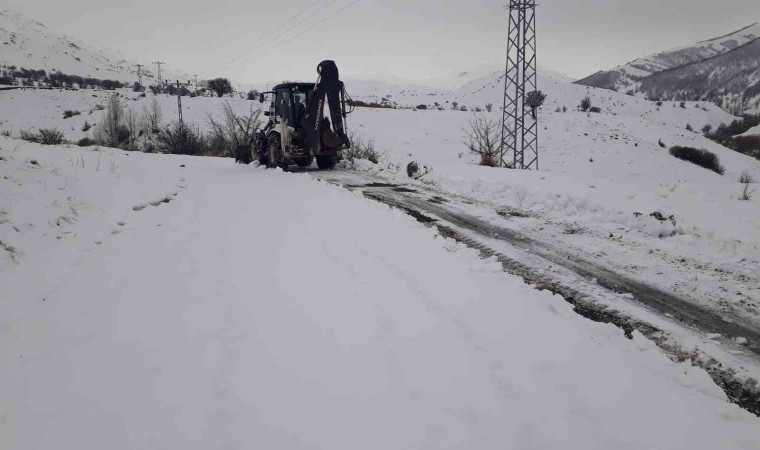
(412, 39)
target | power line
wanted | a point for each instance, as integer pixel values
(271, 35)
(277, 34)
(325, 19)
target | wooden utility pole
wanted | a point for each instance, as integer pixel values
(158, 63)
(179, 104)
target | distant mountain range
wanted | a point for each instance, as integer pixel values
(27, 43)
(725, 70)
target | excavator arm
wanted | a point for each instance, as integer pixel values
(319, 136)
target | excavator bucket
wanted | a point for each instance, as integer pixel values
(330, 86)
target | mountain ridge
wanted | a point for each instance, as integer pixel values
(31, 44)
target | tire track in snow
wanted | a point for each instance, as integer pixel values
(463, 228)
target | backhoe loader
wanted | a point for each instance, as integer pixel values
(297, 131)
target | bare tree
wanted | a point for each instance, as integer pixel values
(746, 180)
(133, 128)
(483, 139)
(110, 131)
(232, 129)
(151, 118)
(534, 100)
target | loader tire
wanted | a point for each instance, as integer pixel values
(243, 154)
(274, 155)
(260, 148)
(326, 162)
(304, 162)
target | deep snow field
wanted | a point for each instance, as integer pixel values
(186, 302)
(602, 175)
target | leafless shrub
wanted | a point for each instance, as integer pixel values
(482, 138)
(29, 135)
(746, 179)
(233, 130)
(51, 136)
(361, 149)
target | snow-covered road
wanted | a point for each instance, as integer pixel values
(258, 309)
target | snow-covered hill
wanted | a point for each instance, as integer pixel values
(623, 77)
(475, 92)
(27, 43)
(733, 79)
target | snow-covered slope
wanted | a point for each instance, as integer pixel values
(27, 43)
(622, 77)
(752, 131)
(475, 92)
(167, 318)
(730, 79)
(405, 95)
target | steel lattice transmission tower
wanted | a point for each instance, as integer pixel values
(519, 132)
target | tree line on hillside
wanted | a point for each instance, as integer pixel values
(727, 135)
(19, 76)
(15, 76)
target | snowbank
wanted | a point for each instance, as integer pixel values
(260, 309)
